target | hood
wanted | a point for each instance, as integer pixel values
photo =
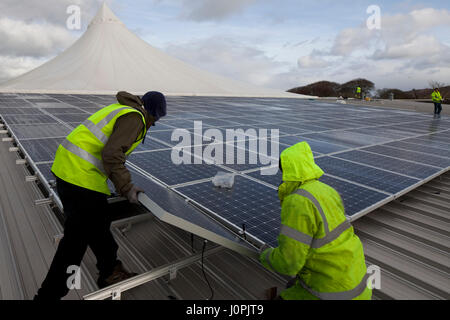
(130, 100)
(297, 163)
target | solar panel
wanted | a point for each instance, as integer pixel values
(420, 148)
(371, 177)
(410, 155)
(249, 203)
(398, 166)
(28, 119)
(355, 198)
(316, 145)
(17, 111)
(39, 131)
(387, 165)
(41, 150)
(160, 165)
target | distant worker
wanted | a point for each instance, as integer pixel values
(316, 244)
(437, 99)
(358, 92)
(95, 151)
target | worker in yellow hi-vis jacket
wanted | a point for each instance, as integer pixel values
(317, 244)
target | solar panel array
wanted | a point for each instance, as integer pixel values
(370, 155)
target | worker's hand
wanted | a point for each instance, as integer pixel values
(132, 195)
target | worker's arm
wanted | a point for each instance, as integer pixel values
(297, 213)
(126, 131)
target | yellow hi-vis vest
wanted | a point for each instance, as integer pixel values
(358, 90)
(78, 159)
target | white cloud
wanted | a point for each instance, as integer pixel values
(12, 67)
(228, 57)
(32, 39)
(312, 62)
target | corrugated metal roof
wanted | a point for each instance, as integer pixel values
(408, 238)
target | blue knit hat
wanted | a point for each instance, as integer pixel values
(155, 104)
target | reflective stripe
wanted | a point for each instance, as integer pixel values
(96, 131)
(104, 122)
(296, 235)
(83, 155)
(315, 243)
(333, 235)
(309, 196)
(343, 295)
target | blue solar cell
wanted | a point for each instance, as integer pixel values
(316, 146)
(355, 198)
(371, 177)
(150, 145)
(39, 131)
(410, 155)
(391, 164)
(28, 119)
(76, 118)
(344, 138)
(41, 150)
(420, 148)
(160, 165)
(249, 203)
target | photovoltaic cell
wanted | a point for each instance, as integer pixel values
(355, 198)
(391, 164)
(160, 165)
(371, 177)
(29, 119)
(410, 155)
(249, 203)
(41, 150)
(39, 131)
(442, 152)
(316, 146)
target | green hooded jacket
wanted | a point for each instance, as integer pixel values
(316, 243)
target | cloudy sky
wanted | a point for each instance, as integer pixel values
(279, 44)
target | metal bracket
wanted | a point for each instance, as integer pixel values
(3, 131)
(31, 178)
(7, 139)
(115, 291)
(13, 149)
(173, 274)
(43, 202)
(21, 161)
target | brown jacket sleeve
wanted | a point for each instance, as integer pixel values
(126, 131)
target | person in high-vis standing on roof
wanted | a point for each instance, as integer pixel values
(358, 92)
(317, 244)
(437, 99)
(91, 154)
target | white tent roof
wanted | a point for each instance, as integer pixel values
(109, 58)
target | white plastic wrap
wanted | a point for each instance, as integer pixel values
(223, 180)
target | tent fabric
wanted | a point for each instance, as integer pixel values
(110, 58)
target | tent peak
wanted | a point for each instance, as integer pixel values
(105, 15)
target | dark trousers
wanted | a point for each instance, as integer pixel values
(87, 224)
(437, 108)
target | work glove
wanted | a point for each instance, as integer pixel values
(132, 195)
